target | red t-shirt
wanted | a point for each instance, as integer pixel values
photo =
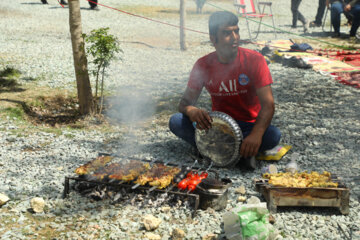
(232, 86)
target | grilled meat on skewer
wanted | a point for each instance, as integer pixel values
(159, 175)
(93, 165)
(130, 171)
(165, 179)
(106, 171)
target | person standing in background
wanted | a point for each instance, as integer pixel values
(298, 16)
(61, 2)
(319, 15)
(93, 3)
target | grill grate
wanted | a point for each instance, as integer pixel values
(131, 187)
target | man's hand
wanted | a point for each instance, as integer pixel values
(201, 117)
(347, 8)
(186, 106)
(250, 145)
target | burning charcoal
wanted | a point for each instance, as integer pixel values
(132, 200)
(179, 203)
(86, 191)
(81, 186)
(149, 202)
(97, 195)
(110, 194)
(117, 197)
(123, 191)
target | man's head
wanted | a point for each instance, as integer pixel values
(224, 34)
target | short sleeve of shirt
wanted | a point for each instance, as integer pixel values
(261, 72)
(197, 76)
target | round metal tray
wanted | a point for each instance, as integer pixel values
(221, 143)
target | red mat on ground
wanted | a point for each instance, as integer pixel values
(349, 57)
(348, 78)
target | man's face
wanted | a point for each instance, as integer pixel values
(226, 42)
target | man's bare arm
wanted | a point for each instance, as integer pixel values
(252, 142)
(186, 106)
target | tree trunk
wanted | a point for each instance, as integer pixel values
(80, 61)
(182, 25)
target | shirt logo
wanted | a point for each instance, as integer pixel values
(231, 87)
(243, 79)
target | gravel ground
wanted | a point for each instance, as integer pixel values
(317, 116)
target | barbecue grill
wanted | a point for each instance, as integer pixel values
(85, 183)
(278, 196)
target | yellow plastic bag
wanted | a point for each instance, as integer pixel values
(274, 154)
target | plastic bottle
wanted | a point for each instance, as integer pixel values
(292, 165)
(232, 226)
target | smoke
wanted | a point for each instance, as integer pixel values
(130, 107)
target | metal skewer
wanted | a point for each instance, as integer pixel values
(206, 170)
(138, 184)
(166, 163)
(172, 186)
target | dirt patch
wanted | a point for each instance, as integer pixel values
(54, 110)
(39, 105)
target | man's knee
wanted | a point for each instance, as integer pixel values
(175, 122)
(336, 8)
(272, 138)
(277, 136)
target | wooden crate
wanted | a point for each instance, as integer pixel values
(309, 197)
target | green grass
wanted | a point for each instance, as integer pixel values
(10, 72)
(14, 113)
(69, 135)
(56, 131)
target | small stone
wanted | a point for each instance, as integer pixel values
(11, 139)
(37, 204)
(241, 199)
(253, 200)
(152, 236)
(3, 199)
(178, 234)
(240, 190)
(271, 219)
(210, 236)
(165, 209)
(150, 222)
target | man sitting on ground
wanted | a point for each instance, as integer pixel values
(239, 82)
